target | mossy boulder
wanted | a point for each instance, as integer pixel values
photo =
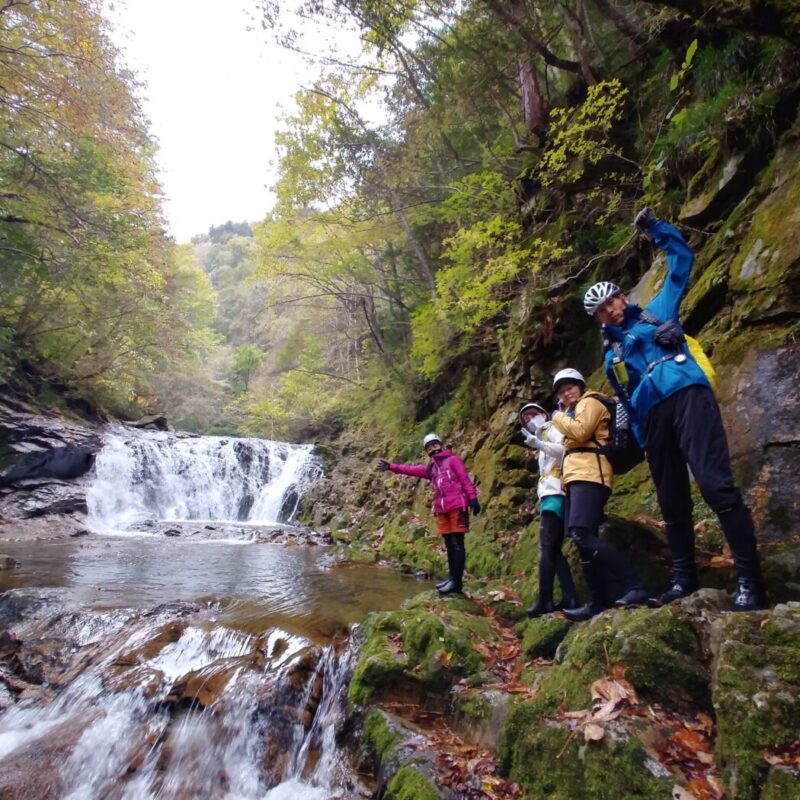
(400, 771)
(410, 784)
(418, 650)
(660, 650)
(756, 694)
(541, 637)
(549, 761)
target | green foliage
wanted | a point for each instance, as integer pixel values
(678, 77)
(92, 288)
(581, 137)
(246, 360)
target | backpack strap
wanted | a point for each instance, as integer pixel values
(650, 318)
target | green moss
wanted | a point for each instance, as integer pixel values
(541, 637)
(781, 784)
(431, 652)
(473, 705)
(550, 762)
(756, 693)
(410, 784)
(634, 494)
(661, 651)
(379, 736)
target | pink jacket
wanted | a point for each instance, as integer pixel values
(452, 487)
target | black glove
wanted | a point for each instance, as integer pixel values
(383, 465)
(645, 218)
(475, 506)
(669, 335)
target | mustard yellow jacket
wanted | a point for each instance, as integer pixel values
(586, 429)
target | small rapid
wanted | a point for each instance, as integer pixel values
(171, 702)
(140, 476)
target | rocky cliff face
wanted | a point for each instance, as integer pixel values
(721, 688)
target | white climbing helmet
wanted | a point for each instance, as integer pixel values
(430, 438)
(599, 294)
(534, 407)
(568, 375)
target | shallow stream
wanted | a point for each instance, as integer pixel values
(171, 654)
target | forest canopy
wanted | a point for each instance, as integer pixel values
(470, 161)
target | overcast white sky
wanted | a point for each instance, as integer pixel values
(213, 95)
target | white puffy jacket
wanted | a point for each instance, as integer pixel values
(551, 454)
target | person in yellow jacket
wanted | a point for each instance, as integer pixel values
(587, 477)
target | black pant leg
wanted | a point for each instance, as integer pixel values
(458, 558)
(587, 501)
(671, 478)
(705, 447)
(550, 534)
(579, 511)
(561, 565)
(448, 544)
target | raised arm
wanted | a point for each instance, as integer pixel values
(412, 470)
(666, 304)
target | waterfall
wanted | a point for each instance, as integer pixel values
(166, 476)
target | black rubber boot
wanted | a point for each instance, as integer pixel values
(442, 583)
(583, 613)
(633, 598)
(451, 587)
(750, 597)
(678, 588)
(541, 607)
(568, 601)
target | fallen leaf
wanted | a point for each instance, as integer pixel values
(618, 671)
(593, 733)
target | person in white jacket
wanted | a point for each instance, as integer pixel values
(539, 434)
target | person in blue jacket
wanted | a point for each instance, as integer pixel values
(675, 416)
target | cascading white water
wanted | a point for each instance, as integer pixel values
(159, 475)
(124, 727)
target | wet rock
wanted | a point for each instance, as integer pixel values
(765, 446)
(34, 769)
(153, 422)
(172, 532)
(204, 686)
(144, 679)
(80, 533)
(69, 461)
(7, 562)
(717, 186)
(167, 634)
(289, 503)
(25, 604)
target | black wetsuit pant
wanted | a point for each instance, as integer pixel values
(686, 429)
(552, 561)
(456, 556)
(584, 513)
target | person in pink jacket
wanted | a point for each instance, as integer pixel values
(453, 495)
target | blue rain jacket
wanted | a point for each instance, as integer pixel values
(639, 350)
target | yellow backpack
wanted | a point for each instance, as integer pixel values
(699, 355)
